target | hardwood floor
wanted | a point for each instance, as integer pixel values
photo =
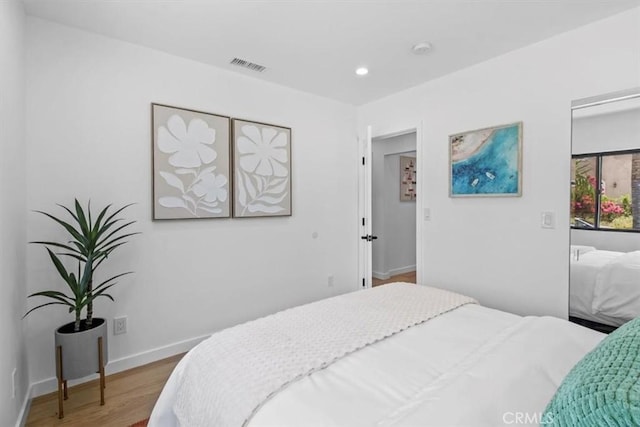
(129, 398)
(405, 277)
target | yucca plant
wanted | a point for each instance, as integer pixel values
(90, 245)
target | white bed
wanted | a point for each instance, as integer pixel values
(471, 366)
(604, 285)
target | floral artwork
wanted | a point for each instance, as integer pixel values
(262, 169)
(486, 162)
(191, 164)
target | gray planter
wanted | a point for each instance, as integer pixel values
(80, 350)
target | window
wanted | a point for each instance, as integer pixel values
(603, 190)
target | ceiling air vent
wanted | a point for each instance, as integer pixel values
(249, 65)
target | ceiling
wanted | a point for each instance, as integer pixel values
(315, 46)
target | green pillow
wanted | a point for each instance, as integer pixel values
(603, 389)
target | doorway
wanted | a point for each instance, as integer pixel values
(393, 208)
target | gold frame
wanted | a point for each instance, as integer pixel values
(234, 213)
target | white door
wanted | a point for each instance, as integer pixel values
(364, 235)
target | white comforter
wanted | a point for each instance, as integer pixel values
(583, 275)
(605, 286)
(252, 361)
(473, 366)
(617, 289)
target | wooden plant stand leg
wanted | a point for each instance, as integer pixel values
(101, 367)
(60, 382)
(66, 392)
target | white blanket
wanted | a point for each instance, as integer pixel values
(617, 288)
(472, 366)
(230, 375)
(584, 273)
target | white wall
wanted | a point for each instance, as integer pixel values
(394, 222)
(494, 248)
(12, 209)
(400, 220)
(88, 136)
(613, 131)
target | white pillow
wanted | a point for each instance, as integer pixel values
(617, 290)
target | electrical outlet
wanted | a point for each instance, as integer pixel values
(330, 280)
(120, 325)
(13, 383)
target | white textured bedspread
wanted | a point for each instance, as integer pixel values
(472, 366)
(230, 375)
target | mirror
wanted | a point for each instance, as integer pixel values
(604, 288)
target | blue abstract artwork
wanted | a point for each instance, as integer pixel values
(487, 162)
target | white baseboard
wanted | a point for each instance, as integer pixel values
(381, 276)
(394, 271)
(50, 385)
(24, 410)
(402, 270)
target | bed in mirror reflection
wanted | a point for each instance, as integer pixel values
(604, 288)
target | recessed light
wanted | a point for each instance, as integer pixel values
(422, 48)
(362, 71)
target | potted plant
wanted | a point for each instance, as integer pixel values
(81, 345)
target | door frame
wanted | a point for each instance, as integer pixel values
(364, 201)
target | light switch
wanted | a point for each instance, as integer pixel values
(548, 220)
(427, 214)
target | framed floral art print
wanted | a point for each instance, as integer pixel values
(262, 169)
(191, 164)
